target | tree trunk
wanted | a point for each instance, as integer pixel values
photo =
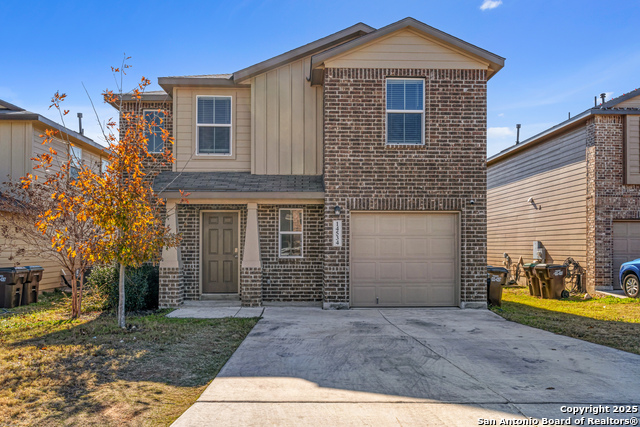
(80, 293)
(74, 297)
(121, 305)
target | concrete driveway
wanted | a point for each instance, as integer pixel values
(408, 367)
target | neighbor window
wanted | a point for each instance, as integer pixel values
(104, 164)
(154, 120)
(291, 233)
(214, 125)
(405, 111)
(75, 154)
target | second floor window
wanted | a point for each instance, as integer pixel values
(405, 111)
(153, 130)
(75, 155)
(214, 125)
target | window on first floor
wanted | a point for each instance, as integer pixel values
(290, 233)
(213, 125)
(405, 111)
(154, 125)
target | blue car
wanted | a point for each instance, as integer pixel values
(630, 278)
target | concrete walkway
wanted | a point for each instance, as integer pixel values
(409, 367)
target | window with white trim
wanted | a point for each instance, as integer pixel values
(154, 125)
(75, 155)
(405, 111)
(290, 233)
(213, 125)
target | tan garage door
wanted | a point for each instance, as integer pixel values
(626, 245)
(404, 259)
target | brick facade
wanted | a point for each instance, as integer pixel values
(279, 279)
(138, 107)
(608, 198)
(292, 279)
(170, 293)
(361, 172)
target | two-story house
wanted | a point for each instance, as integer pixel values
(348, 172)
(575, 189)
(20, 142)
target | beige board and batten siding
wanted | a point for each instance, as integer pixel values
(16, 138)
(185, 111)
(630, 103)
(407, 49)
(287, 122)
(632, 149)
(554, 174)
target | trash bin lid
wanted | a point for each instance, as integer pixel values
(34, 268)
(497, 269)
(530, 264)
(541, 266)
(555, 266)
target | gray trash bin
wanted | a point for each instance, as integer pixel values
(11, 283)
(31, 286)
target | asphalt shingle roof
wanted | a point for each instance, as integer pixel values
(236, 181)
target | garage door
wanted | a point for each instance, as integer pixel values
(626, 245)
(404, 259)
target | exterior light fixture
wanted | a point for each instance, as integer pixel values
(337, 210)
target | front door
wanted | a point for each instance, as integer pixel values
(220, 252)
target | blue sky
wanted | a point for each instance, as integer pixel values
(559, 54)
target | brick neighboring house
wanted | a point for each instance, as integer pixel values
(349, 172)
(576, 189)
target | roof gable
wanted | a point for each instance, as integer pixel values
(406, 48)
(404, 36)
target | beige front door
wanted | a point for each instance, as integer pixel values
(626, 245)
(220, 252)
(404, 259)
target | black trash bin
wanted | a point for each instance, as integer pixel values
(11, 283)
(32, 284)
(496, 278)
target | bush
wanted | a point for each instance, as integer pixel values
(141, 286)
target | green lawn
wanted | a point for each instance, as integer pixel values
(614, 322)
(55, 371)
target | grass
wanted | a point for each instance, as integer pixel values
(54, 370)
(610, 321)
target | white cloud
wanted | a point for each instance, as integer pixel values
(608, 96)
(500, 132)
(501, 115)
(490, 4)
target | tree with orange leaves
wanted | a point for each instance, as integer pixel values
(121, 202)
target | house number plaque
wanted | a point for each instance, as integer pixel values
(337, 232)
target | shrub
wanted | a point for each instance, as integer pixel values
(141, 286)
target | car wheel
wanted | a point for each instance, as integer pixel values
(631, 286)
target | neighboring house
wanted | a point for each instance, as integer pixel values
(20, 141)
(350, 172)
(576, 189)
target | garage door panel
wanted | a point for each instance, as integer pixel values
(363, 225)
(443, 247)
(416, 271)
(389, 225)
(416, 224)
(626, 244)
(443, 295)
(404, 259)
(365, 295)
(443, 271)
(390, 295)
(364, 271)
(390, 271)
(416, 247)
(390, 247)
(443, 225)
(364, 247)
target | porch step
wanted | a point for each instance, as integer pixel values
(219, 297)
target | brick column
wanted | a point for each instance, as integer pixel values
(170, 290)
(251, 271)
